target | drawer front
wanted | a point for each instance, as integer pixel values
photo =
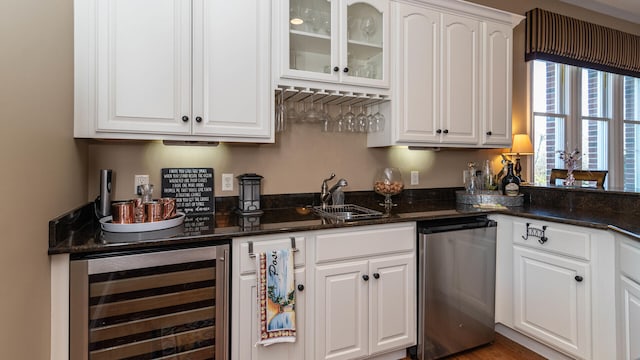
(560, 238)
(269, 243)
(366, 241)
(630, 260)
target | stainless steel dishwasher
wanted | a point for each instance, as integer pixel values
(456, 282)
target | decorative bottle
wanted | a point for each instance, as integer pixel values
(510, 183)
(488, 177)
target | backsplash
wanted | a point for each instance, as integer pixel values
(571, 199)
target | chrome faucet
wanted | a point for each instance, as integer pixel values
(326, 192)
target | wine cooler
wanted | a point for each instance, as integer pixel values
(152, 305)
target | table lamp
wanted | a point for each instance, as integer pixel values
(521, 146)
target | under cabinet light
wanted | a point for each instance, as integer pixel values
(296, 21)
(189, 143)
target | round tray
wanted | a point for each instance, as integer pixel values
(107, 225)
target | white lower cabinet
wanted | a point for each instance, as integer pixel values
(629, 298)
(365, 289)
(630, 325)
(244, 305)
(391, 297)
(341, 315)
(355, 295)
(550, 299)
(555, 283)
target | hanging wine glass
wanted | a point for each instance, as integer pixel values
(350, 120)
(339, 125)
(368, 27)
(379, 120)
(361, 121)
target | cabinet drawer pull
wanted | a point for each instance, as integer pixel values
(335, 68)
(579, 278)
(376, 275)
(198, 119)
(185, 118)
(438, 131)
(446, 131)
(489, 133)
(300, 287)
(346, 70)
(365, 277)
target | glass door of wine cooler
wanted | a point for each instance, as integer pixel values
(152, 305)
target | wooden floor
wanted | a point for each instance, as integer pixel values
(501, 349)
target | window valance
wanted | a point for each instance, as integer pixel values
(562, 39)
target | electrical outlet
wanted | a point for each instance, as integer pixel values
(227, 182)
(415, 178)
(139, 180)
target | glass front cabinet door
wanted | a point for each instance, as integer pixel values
(338, 41)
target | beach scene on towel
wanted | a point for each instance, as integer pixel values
(276, 297)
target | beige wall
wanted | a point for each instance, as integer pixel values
(44, 171)
(297, 162)
(43, 168)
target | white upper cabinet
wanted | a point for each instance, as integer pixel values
(460, 80)
(170, 69)
(497, 78)
(417, 93)
(343, 42)
(451, 83)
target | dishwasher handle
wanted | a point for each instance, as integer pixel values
(438, 227)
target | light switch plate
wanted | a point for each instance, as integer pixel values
(227, 182)
(415, 177)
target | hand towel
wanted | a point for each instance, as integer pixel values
(276, 297)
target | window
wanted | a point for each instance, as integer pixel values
(631, 152)
(576, 108)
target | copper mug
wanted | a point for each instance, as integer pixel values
(169, 206)
(154, 211)
(123, 213)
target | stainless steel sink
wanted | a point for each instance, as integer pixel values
(347, 212)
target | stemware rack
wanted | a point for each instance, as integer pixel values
(328, 97)
(285, 93)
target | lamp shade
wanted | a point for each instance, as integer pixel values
(521, 145)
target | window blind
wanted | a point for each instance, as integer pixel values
(562, 39)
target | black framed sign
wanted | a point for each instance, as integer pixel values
(191, 187)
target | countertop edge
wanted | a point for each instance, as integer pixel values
(290, 227)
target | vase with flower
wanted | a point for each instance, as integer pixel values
(570, 162)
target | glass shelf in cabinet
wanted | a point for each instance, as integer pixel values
(309, 43)
(364, 52)
(309, 34)
(365, 44)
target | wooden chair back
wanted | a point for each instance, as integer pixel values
(585, 175)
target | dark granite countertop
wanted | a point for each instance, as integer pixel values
(78, 232)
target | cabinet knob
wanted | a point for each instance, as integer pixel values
(446, 131)
(300, 287)
(335, 68)
(489, 133)
(346, 69)
(185, 118)
(578, 278)
(376, 275)
(198, 119)
(365, 277)
(438, 131)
